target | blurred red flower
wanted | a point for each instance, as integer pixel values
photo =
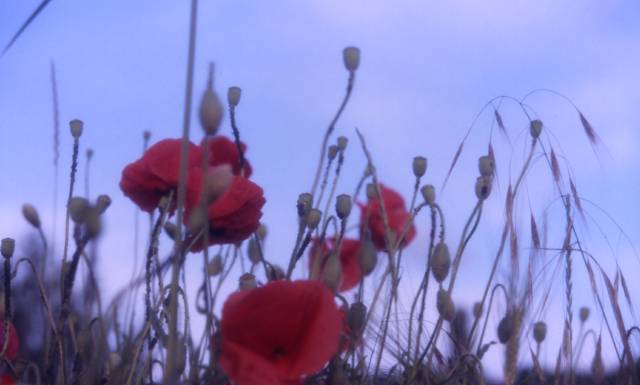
(7, 379)
(223, 150)
(234, 214)
(371, 218)
(278, 333)
(153, 176)
(351, 272)
(14, 343)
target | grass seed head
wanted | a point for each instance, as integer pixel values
(343, 206)
(233, 96)
(351, 58)
(440, 261)
(429, 194)
(535, 128)
(419, 166)
(539, 331)
(7, 247)
(76, 126)
(31, 215)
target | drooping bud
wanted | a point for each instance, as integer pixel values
(76, 126)
(505, 328)
(215, 266)
(7, 247)
(351, 58)
(217, 181)
(211, 109)
(356, 317)
(486, 166)
(483, 187)
(332, 152)
(419, 166)
(313, 218)
(253, 251)
(584, 313)
(102, 203)
(31, 215)
(332, 272)
(343, 206)
(429, 193)
(233, 95)
(171, 230)
(367, 257)
(539, 331)
(445, 305)
(342, 143)
(247, 281)
(78, 209)
(305, 200)
(440, 262)
(477, 309)
(535, 128)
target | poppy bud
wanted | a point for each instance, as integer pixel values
(146, 135)
(332, 272)
(367, 257)
(351, 58)
(210, 108)
(584, 313)
(8, 246)
(483, 187)
(313, 218)
(76, 126)
(535, 128)
(31, 215)
(275, 273)
(343, 206)
(305, 200)
(233, 95)
(419, 166)
(371, 191)
(92, 221)
(171, 230)
(440, 262)
(198, 219)
(217, 181)
(539, 331)
(445, 305)
(253, 251)
(247, 281)
(215, 266)
(78, 209)
(477, 309)
(332, 152)
(429, 194)
(356, 317)
(505, 328)
(486, 166)
(342, 143)
(102, 203)
(262, 232)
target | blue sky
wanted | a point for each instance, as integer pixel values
(427, 69)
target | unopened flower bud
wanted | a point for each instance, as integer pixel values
(535, 128)
(76, 126)
(31, 215)
(214, 267)
(247, 281)
(305, 201)
(356, 317)
(429, 193)
(505, 328)
(483, 187)
(343, 206)
(332, 152)
(332, 272)
(7, 247)
(477, 309)
(78, 209)
(233, 95)
(419, 166)
(262, 231)
(367, 257)
(198, 219)
(217, 181)
(486, 166)
(89, 153)
(313, 218)
(211, 109)
(584, 313)
(440, 262)
(92, 221)
(351, 58)
(539, 331)
(102, 203)
(445, 305)
(342, 143)
(171, 230)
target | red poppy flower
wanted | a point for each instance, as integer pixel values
(153, 176)
(397, 214)
(351, 273)
(278, 333)
(14, 343)
(7, 379)
(234, 215)
(223, 150)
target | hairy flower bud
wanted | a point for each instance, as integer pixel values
(440, 262)
(483, 187)
(505, 328)
(247, 281)
(78, 207)
(343, 206)
(584, 313)
(76, 126)
(351, 58)
(233, 95)
(486, 166)
(429, 194)
(7, 246)
(356, 317)
(342, 143)
(313, 218)
(211, 110)
(332, 272)
(214, 267)
(445, 305)
(535, 128)
(539, 331)
(31, 215)
(419, 166)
